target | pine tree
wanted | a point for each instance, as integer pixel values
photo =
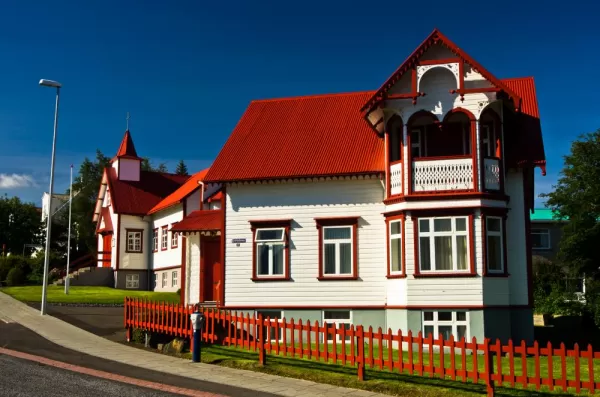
(181, 168)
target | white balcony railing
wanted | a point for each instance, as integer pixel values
(440, 175)
(396, 179)
(491, 174)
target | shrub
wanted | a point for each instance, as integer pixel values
(16, 276)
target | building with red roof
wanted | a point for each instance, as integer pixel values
(135, 212)
(393, 208)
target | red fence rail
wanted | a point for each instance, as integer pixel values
(490, 363)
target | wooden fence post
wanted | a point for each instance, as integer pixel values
(360, 341)
(489, 367)
(127, 326)
(262, 356)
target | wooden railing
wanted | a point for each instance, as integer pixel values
(490, 363)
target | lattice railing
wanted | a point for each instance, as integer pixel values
(491, 174)
(440, 175)
(396, 179)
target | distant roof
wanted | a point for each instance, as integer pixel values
(182, 192)
(543, 215)
(137, 198)
(127, 148)
(203, 220)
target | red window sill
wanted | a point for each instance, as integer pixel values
(267, 279)
(444, 275)
(337, 278)
(390, 276)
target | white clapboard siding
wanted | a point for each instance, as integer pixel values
(192, 277)
(302, 202)
(170, 256)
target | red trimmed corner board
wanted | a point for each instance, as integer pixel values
(511, 365)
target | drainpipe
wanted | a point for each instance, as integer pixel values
(201, 194)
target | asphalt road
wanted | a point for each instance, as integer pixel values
(16, 337)
(23, 378)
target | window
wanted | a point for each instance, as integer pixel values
(446, 323)
(134, 240)
(443, 244)
(540, 239)
(337, 320)
(174, 239)
(164, 238)
(494, 244)
(155, 280)
(395, 247)
(174, 279)
(164, 279)
(416, 143)
(155, 240)
(132, 281)
(338, 248)
(488, 140)
(395, 139)
(270, 252)
(274, 316)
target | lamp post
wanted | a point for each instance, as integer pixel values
(57, 85)
(69, 234)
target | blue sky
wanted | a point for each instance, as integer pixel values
(187, 69)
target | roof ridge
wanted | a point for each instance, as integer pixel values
(518, 78)
(312, 96)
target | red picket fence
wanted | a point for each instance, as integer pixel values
(489, 363)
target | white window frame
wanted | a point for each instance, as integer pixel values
(133, 238)
(174, 278)
(337, 243)
(272, 320)
(391, 237)
(431, 234)
(174, 239)
(270, 243)
(132, 281)
(499, 234)
(488, 135)
(542, 231)
(337, 322)
(454, 323)
(155, 240)
(164, 238)
(164, 280)
(155, 280)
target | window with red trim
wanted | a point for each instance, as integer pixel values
(270, 259)
(174, 239)
(444, 244)
(395, 236)
(134, 241)
(494, 244)
(155, 240)
(164, 243)
(338, 253)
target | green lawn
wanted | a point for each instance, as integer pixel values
(375, 380)
(97, 295)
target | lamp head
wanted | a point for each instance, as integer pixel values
(50, 83)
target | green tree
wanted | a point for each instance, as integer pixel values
(20, 224)
(577, 197)
(147, 166)
(181, 168)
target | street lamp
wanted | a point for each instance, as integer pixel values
(57, 85)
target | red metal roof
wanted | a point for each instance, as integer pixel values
(137, 198)
(127, 148)
(178, 195)
(197, 221)
(300, 137)
(525, 88)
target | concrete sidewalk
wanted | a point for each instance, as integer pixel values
(74, 338)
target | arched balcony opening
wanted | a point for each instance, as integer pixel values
(420, 127)
(394, 131)
(490, 150)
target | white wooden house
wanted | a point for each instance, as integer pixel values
(135, 213)
(392, 208)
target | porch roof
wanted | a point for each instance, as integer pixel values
(198, 221)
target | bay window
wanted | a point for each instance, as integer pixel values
(443, 244)
(494, 244)
(395, 244)
(447, 323)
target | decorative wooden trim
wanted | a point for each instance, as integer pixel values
(164, 229)
(437, 158)
(141, 231)
(474, 145)
(338, 221)
(408, 163)
(451, 212)
(457, 195)
(183, 270)
(221, 301)
(155, 248)
(388, 170)
(402, 219)
(272, 223)
(422, 62)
